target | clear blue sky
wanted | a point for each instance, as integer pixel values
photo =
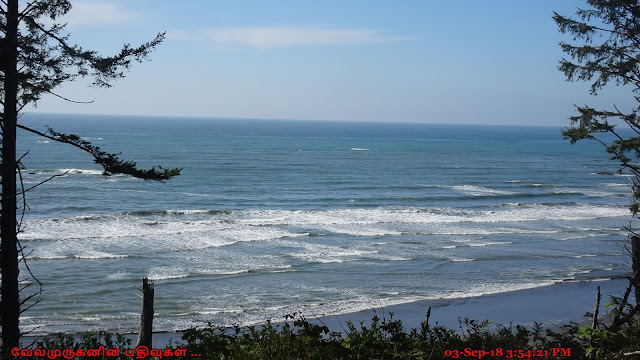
(438, 61)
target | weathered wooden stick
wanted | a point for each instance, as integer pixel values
(428, 316)
(596, 309)
(146, 318)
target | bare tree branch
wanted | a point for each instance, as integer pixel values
(69, 100)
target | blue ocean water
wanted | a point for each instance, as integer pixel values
(274, 217)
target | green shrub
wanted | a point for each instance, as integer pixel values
(298, 338)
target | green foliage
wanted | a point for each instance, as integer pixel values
(608, 51)
(299, 338)
(616, 23)
(36, 58)
(620, 335)
(46, 59)
(601, 341)
(610, 342)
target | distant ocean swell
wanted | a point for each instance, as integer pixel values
(512, 188)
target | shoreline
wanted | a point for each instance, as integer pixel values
(549, 305)
(553, 304)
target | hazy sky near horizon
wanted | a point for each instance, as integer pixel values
(462, 61)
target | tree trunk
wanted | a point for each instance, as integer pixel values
(146, 318)
(9, 253)
(635, 266)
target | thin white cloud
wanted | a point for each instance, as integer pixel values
(98, 13)
(284, 36)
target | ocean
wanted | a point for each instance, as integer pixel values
(272, 217)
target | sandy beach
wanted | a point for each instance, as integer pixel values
(549, 305)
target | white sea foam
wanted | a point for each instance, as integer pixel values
(166, 273)
(367, 231)
(118, 275)
(214, 230)
(618, 185)
(98, 255)
(329, 254)
(588, 192)
(254, 269)
(394, 258)
(497, 288)
(357, 302)
(575, 272)
(167, 236)
(66, 172)
(223, 271)
(429, 216)
(612, 174)
(90, 138)
(49, 257)
(585, 235)
(487, 243)
(479, 190)
(528, 183)
(187, 212)
(81, 171)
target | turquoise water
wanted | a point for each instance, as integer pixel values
(271, 217)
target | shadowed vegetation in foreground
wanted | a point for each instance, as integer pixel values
(299, 338)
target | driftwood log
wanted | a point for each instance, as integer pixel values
(596, 309)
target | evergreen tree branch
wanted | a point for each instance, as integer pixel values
(49, 8)
(111, 163)
(35, 59)
(104, 68)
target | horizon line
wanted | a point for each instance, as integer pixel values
(202, 117)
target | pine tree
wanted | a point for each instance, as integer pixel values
(609, 53)
(36, 57)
